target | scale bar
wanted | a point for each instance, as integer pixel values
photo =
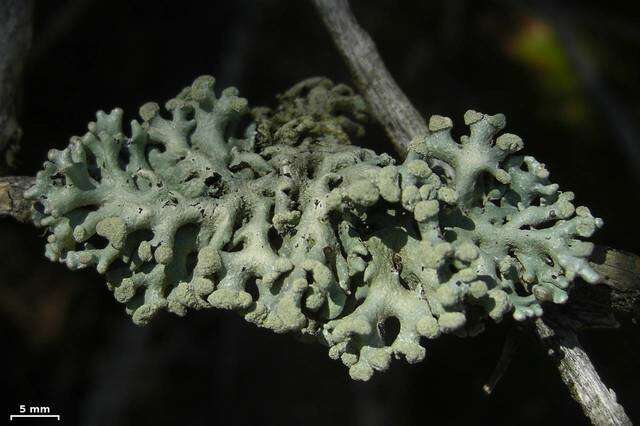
(51, 416)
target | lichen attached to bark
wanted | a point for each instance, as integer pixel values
(286, 222)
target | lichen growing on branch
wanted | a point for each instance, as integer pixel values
(287, 223)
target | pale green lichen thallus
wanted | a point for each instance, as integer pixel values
(287, 223)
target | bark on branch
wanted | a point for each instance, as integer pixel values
(387, 101)
(402, 122)
(597, 401)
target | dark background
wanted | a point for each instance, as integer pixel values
(567, 78)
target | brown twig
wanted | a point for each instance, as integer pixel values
(401, 121)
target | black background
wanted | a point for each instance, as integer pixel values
(69, 345)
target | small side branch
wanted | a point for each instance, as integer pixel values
(508, 351)
(12, 202)
(389, 105)
(597, 401)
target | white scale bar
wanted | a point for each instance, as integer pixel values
(52, 416)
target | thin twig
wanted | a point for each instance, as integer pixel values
(598, 402)
(387, 100)
(509, 349)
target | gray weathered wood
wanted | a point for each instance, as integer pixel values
(387, 101)
(598, 402)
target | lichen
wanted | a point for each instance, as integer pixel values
(286, 222)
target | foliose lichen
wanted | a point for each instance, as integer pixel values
(287, 223)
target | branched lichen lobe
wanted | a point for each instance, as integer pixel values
(289, 224)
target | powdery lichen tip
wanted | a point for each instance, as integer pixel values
(299, 231)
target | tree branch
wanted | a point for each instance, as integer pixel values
(598, 402)
(402, 122)
(388, 103)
